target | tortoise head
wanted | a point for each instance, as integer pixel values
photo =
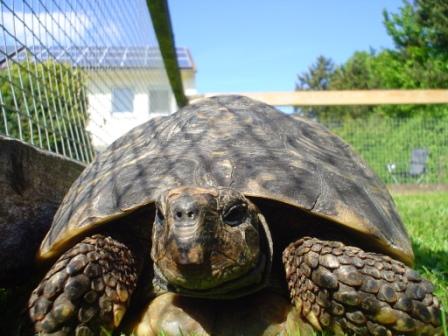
(210, 242)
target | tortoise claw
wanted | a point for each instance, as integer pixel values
(87, 290)
(346, 290)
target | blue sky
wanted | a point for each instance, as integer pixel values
(68, 22)
(237, 45)
(250, 45)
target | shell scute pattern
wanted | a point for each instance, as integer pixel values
(236, 142)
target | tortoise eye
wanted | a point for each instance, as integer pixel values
(235, 215)
(160, 218)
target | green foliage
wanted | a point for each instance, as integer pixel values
(432, 15)
(419, 61)
(420, 34)
(45, 104)
(318, 75)
(420, 29)
(406, 31)
(317, 78)
(356, 73)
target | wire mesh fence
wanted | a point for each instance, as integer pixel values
(401, 150)
(74, 74)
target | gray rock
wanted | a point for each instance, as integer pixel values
(32, 184)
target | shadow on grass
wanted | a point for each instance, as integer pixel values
(435, 260)
(433, 265)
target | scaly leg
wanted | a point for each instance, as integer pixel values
(86, 291)
(346, 290)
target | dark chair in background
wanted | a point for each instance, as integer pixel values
(417, 166)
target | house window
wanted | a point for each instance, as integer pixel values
(159, 101)
(122, 99)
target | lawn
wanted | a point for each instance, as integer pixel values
(381, 141)
(426, 217)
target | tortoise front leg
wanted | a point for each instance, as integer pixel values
(346, 290)
(86, 291)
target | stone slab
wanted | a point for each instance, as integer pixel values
(32, 184)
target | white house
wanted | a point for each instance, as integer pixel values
(127, 87)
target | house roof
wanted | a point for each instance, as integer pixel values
(96, 57)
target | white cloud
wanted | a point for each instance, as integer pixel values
(52, 28)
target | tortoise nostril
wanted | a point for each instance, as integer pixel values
(185, 214)
(185, 209)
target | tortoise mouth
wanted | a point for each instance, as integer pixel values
(253, 280)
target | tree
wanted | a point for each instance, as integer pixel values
(420, 34)
(407, 34)
(420, 29)
(317, 77)
(418, 61)
(433, 15)
(45, 104)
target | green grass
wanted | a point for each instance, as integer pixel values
(381, 141)
(426, 218)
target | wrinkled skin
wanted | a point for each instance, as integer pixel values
(203, 239)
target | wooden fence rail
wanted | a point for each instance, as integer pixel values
(345, 97)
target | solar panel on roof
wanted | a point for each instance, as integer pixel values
(6, 52)
(132, 63)
(129, 57)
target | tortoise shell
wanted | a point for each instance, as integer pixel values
(231, 141)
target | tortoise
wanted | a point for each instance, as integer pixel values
(218, 201)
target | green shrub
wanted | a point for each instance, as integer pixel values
(45, 104)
